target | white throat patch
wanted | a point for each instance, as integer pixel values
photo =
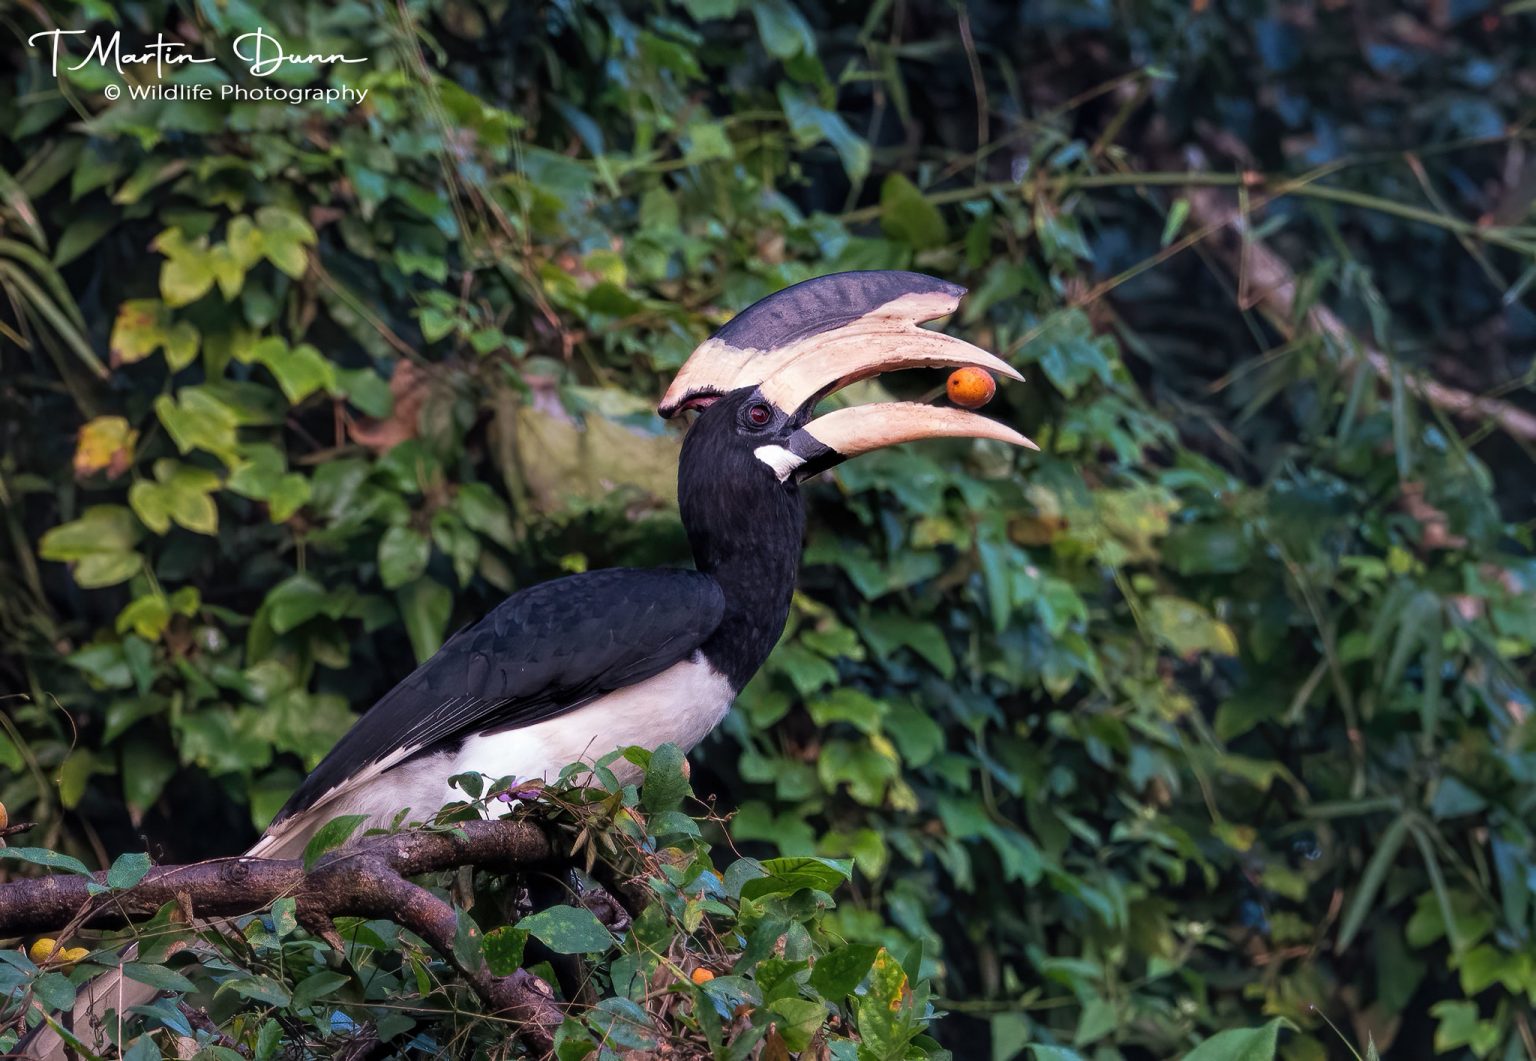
(779, 459)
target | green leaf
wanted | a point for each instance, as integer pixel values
(157, 976)
(1461, 1025)
(403, 556)
(42, 857)
(147, 767)
(1241, 1044)
(1099, 1017)
(260, 989)
(783, 29)
(99, 545)
(128, 869)
(317, 986)
(1177, 214)
(188, 271)
(1189, 629)
(568, 930)
(811, 124)
(837, 974)
(285, 916)
(300, 370)
(330, 836)
(74, 774)
(801, 1018)
(503, 948)
(425, 605)
(665, 785)
(183, 493)
(624, 1024)
(294, 601)
(1371, 880)
(907, 216)
(195, 419)
(884, 1010)
(785, 876)
(284, 235)
(54, 991)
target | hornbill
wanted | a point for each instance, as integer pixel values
(574, 668)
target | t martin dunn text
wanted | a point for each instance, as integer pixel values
(264, 53)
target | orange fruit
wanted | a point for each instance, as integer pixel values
(702, 975)
(971, 388)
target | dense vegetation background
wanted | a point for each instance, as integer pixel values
(1216, 710)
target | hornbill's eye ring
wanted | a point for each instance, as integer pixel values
(759, 415)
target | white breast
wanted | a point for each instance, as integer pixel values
(680, 705)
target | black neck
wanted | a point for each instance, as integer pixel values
(745, 528)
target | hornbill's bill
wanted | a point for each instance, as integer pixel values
(572, 669)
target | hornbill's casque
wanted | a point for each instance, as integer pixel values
(572, 669)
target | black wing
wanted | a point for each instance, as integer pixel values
(543, 651)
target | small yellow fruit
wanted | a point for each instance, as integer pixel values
(43, 949)
(971, 388)
(71, 955)
(702, 975)
(4, 818)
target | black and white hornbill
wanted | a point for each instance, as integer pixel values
(572, 669)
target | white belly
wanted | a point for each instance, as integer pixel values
(680, 705)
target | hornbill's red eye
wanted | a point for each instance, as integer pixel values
(759, 415)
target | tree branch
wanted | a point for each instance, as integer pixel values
(1268, 283)
(366, 880)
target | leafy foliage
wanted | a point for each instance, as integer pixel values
(720, 964)
(1215, 712)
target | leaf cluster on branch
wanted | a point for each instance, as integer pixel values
(693, 960)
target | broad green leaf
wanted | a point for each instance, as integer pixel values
(74, 774)
(316, 986)
(157, 976)
(665, 784)
(330, 836)
(285, 917)
(839, 972)
(128, 869)
(785, 876)
(884, 1011)
(300, 370)
(568, 930)
(195, 419)
(403, 556)
(783, 29)
(262, 989)
(503, 948)
(625, 1025)
(425, 605)
(907, 216)
(41, 857)
(1241, 1044)
(54, 991)
(100, 530)
(284, 237)
(799, 1020)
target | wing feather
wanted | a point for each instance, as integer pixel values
(542, 652)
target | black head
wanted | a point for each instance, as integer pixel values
(729, 471)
